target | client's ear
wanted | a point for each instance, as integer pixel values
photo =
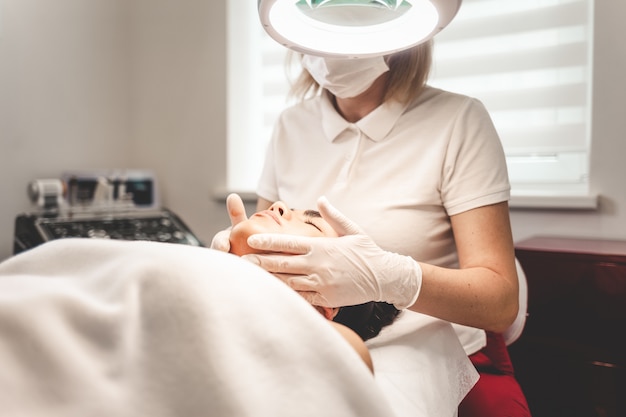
(328, 312)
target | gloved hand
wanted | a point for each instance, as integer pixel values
(237, 214)
(334, 272)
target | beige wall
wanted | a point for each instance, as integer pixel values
(114, 84)
(178, 104)
(141, 84)
(63, 94)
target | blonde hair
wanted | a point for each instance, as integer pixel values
(408, 74)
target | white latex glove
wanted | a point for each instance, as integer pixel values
(334, 272)
(237, 214)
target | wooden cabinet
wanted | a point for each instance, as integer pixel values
(571, 357)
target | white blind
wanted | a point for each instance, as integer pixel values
(529, 61)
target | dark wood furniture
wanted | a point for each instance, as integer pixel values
(571, 357)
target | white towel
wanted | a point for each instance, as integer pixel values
(112, 328)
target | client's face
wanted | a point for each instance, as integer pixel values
(278, 219)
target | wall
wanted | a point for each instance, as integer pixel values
(63, 94)
(141, 84)
(178, 104)
(114, 84)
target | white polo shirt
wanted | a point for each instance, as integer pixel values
(399, 172)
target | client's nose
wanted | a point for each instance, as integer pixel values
(280, 208)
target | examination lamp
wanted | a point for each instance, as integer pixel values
(354, 28)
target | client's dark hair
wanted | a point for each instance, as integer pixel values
(367, 319)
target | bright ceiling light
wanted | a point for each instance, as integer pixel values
(354, 28)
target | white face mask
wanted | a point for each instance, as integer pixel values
(345, 78)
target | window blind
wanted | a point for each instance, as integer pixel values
(528, 61)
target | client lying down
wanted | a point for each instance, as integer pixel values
(355, 323)
(96, 327)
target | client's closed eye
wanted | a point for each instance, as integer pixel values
(313, 224)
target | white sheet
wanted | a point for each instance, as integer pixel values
(110, 328)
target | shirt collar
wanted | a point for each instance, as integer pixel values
(375, 125)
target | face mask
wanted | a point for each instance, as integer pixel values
(345, 78)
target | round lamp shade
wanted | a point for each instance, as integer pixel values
(354, 28)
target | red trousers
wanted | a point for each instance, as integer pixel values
(497, 393)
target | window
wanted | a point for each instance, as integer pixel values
(257, 92)
(529, 62)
